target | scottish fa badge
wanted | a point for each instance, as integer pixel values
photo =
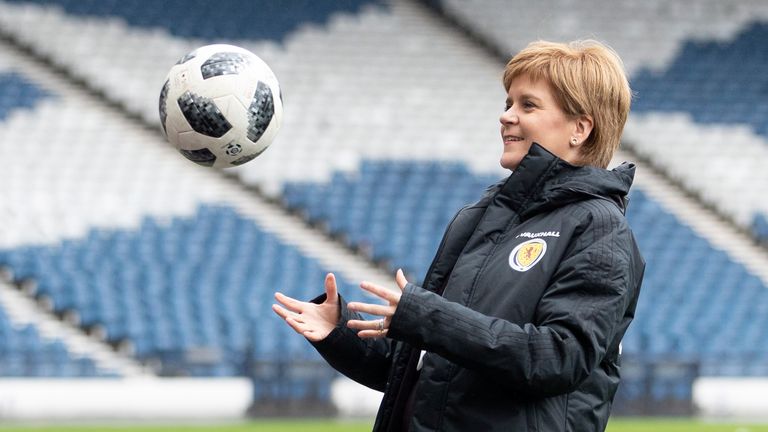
(527, 254)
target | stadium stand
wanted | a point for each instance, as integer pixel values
(707, 309)
(716, 82)
(395, 211)
(187, 288)
(24, 353)
(697, 69)
(390, 127)
(362, 85)
(94, 241)
(227, 19)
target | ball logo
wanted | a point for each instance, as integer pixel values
(233, 149)
(527, 254)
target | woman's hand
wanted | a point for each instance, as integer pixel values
(377, 328)
(314, 321)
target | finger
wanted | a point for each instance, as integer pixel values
(331, 290)
(285, 313)
(381, 310)
(296, 325)
(281, 311)
(400, 279)
(372, 334)
(292, 304)
(363, 324)
(382, 292)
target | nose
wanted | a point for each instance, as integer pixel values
(509, 116)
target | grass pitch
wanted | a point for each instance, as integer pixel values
(681, 425)
(322, 425)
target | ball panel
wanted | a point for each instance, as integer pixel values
(187, 57)
(172, 134)
(260, 112)
(224, 63)
(163, 101)
(202, 157)
(203, 115)
(175, 119)
(247, 158)
(191, 140)
(220, 86)
(230, 107)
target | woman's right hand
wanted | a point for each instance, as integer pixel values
(314, 321)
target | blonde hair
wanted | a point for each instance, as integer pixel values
(587, 78)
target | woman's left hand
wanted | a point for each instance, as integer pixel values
(377, 328)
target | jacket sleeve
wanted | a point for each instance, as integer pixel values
(575, 323)
(365, 361)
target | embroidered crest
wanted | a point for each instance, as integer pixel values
(527, 254)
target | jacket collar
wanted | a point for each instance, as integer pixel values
(543, 182)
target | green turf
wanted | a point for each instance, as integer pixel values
(260, 426)
(616, 425)
(681, 425)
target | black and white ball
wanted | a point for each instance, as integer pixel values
(221, 106)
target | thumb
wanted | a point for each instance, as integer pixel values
(400, 279)
(331, 292)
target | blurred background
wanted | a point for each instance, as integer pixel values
(136, 284)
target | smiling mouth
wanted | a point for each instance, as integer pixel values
(511, 139)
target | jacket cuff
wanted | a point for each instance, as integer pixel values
(327, 344)
(406, 315)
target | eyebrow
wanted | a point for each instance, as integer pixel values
(526, 96)
(530, 96)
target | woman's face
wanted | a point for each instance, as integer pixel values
(533, 115)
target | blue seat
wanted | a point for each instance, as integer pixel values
(26, 354)
(396, 211)
(17, 92)
(705, 76)
(203, 282)
(245, 20)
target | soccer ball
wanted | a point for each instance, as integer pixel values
(221, 106)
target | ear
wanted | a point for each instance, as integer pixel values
(583, 127)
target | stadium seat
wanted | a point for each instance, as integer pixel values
(191, 284)
(24, 353)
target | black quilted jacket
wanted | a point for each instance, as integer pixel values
(521, 314)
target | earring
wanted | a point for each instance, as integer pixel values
(574, 141)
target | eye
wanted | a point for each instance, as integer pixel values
(529, 105)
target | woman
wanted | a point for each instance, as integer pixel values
(519, 322)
